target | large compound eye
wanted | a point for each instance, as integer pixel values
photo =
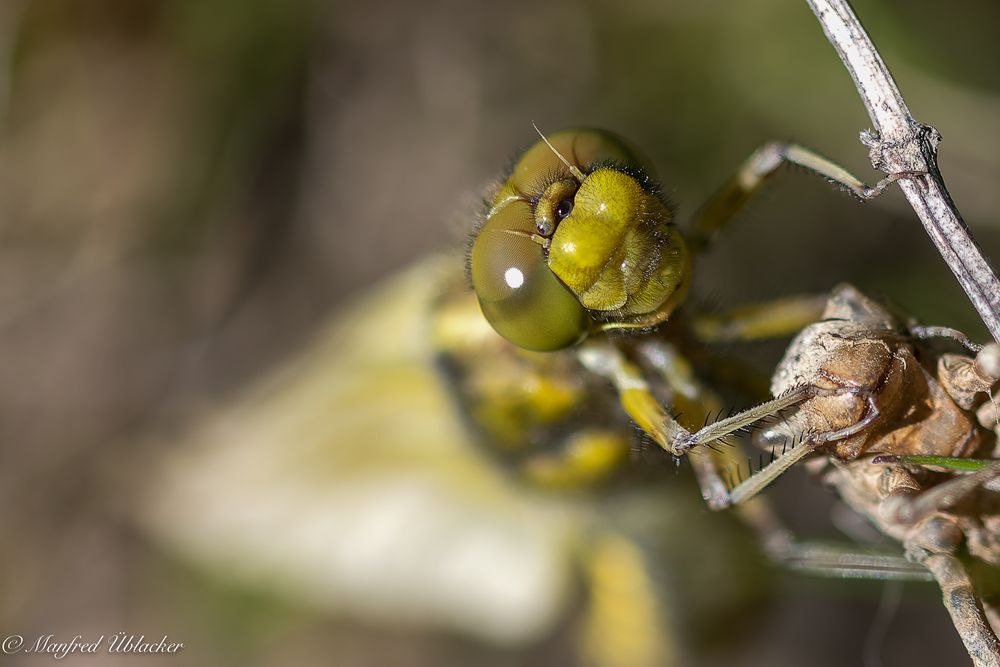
(519, 295)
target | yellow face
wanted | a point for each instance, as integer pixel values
(577, 239)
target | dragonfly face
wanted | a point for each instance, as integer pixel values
(577, 237)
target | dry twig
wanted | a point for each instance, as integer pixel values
(901, 144)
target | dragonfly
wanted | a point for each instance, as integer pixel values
(466, 448)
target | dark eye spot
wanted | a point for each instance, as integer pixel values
(565, 208)
(545, 228)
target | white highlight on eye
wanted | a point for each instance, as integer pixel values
(513, 277)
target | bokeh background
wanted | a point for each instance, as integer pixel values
(189, 188)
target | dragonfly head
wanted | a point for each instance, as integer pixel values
(577, 239)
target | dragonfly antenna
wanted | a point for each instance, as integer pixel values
(577, 174)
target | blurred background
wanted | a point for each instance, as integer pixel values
(190, 189)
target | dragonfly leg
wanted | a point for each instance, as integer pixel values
(737, 422)
(759, 480)
(777, 542)
(697, 402)
(634, 392)
(639, 402)
(692, 402)
(728, 200)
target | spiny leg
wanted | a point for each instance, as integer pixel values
(833, 560)
(778, 543)
(776, 318)
(761, 479)
(634, 392)
(695, 404)
(724, 427)
(639, 402)
(820, 559)
(757, 170)
(685, 441)
(699, 403)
